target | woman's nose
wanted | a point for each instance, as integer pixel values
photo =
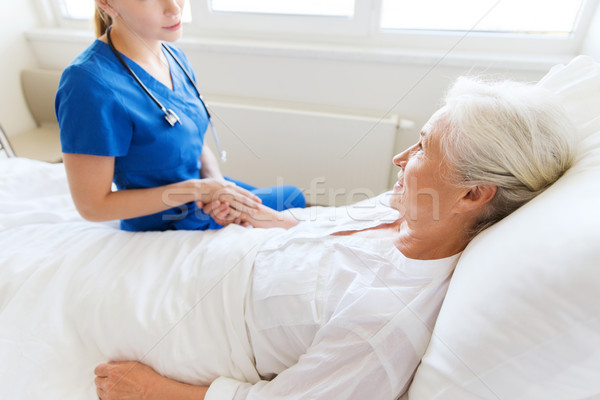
(400, 159)
(172, 7)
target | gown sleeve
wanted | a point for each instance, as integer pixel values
(346, 361)
(92, 117)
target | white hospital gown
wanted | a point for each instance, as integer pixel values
(260, 314)
(337, 317)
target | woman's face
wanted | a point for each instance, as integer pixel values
(150, 19)
(423, 192)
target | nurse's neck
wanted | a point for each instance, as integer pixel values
(145, 52)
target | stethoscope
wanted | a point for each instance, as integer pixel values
(170, 115)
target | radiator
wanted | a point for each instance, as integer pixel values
(335, 158)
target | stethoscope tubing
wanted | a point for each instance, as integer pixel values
(170, 114)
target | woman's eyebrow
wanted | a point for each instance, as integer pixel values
(426, 129)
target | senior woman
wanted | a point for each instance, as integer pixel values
(345, 309)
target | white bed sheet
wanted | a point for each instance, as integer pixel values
(60, 316)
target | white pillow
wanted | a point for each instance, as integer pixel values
(522, 316)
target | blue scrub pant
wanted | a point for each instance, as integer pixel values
(276, 197)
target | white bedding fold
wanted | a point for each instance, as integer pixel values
(86, 293)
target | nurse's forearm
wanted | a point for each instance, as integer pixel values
(90, 179)
(133, 203)
(210, 164)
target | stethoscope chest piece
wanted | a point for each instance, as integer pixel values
(171, 117)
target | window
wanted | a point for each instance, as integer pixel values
(337, 8)
(514, 16)
(294, 19)
(75, 9)
(517, 26)
(83, 10)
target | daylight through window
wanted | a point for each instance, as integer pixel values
(509, 16)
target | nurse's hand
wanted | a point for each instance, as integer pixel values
(211, 189)
(224, 200)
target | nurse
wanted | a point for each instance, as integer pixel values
(129, 113)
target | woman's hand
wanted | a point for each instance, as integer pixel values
(260, 216)
(125, 380)
(265, 217)
(224, 200)
(223, 213)
(132, 380)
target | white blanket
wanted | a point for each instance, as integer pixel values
(74, 294)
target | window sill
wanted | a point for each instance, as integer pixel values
(338, 52)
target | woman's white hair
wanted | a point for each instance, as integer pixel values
(513, 135)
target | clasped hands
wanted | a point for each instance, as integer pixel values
(228, 203)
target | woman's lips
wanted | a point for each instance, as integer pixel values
(398, 185)
(174, 27)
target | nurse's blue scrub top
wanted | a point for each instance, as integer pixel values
(102, 111)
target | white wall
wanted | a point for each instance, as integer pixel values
(409, 88)
(326, 78)
(591, 45)
(16, 55)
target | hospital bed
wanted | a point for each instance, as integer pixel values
(521, 319)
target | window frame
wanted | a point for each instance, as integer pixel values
(500, 42)
(362, 31)
(259, 26)
(52, 11)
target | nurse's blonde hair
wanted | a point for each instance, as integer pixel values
(513, 135)
(101, 21)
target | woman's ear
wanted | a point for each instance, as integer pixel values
(105, 6)
(476, 197)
